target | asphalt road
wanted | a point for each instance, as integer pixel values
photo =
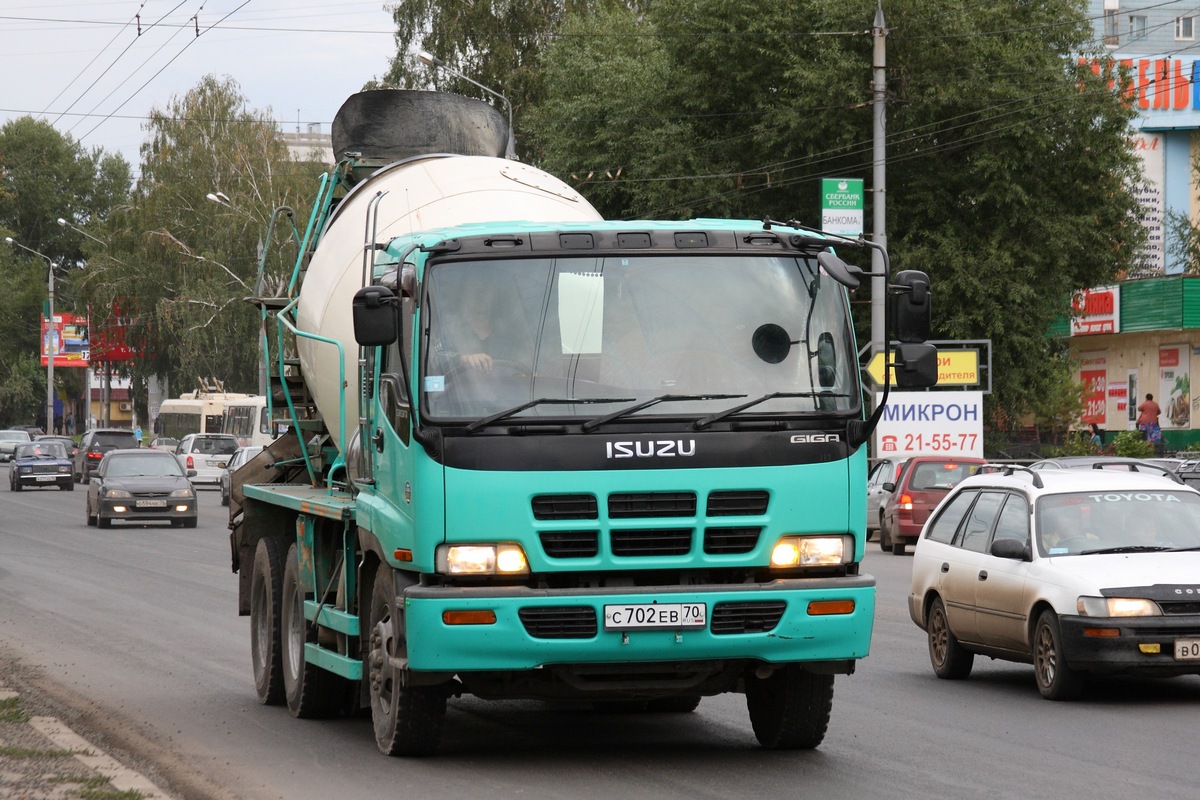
(136, 629)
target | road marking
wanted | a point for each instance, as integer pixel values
(121, 777)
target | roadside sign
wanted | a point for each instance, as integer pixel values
(931, 423)
(955, 368)
(842, 206)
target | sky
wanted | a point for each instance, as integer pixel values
(81, 64)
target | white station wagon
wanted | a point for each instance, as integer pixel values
(1076, 571)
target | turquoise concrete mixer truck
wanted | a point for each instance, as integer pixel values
(532, 453)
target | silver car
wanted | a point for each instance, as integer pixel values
(242, 455)
(9, 441)
(207, 454)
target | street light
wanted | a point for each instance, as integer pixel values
(49, 334)
(433, 61)
(82, 232)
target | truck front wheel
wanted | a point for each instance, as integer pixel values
(265, 599)
(407, 719)
(789, 710)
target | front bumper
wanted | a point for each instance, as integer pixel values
(128, 510)
(769, 622)
(1123, 653)
(33, 480)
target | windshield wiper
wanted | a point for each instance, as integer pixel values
(720, 415)
(592, 424)
(508, 412)
(1129, 548)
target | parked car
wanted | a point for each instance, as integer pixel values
(66, 441)
(141, 485)
(923, 483)
(1087, 572)
(243, 454)
(8, 442)
(164, 443)
(40, 463)
(207, 454)
(94, 444)
(886, 470)
(1120, 463)
(33, 430)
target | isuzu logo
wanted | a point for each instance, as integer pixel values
(815, 438)
(658, 448)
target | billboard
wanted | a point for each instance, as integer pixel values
(65, 339)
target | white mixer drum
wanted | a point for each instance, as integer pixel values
(421, 194)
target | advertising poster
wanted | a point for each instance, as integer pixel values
(1093, 373)
(66, 339)
(1174, 386)
(931, 424)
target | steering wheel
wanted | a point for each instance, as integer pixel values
(513, 370)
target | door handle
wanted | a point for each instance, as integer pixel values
(983, 574)
(945, 566)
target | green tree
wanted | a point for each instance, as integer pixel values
(44, 176)
(179, 266)
(1009, 169)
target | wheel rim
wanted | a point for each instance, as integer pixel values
(381, 673)
(260, 629)
(295, 637)
(939, 636)
(1046, 656)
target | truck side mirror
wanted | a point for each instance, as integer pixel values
(916, 366)
(910, 301)
(376, 312)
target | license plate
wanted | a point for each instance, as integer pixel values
(655, 615)
(45, 478)
(151, 504)
(1187, 649)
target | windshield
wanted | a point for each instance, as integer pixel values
(144, 466)
(1094, 522)
(706, 333)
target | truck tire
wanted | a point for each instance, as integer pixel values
(266, 581)
(789, 710)
(407, 719)
(311, 692)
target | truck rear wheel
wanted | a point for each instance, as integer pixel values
(789, 710)
(266, 582)
(311, 692)
(407, 719)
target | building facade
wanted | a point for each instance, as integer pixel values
(1142, 336)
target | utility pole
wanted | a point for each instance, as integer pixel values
(879, 183)
(879, 180)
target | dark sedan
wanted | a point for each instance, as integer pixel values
(141, 485)
(40, 463)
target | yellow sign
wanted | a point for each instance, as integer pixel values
(955, 368)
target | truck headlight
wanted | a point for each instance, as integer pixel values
(1118, 607)
(812, 551)
(506, 558)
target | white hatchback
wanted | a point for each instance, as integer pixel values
(1076, 571)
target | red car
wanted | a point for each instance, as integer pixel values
(923, 483)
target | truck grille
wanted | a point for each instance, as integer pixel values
(737, 504)
(719, 541)
(652, 505)
(653, 540)
(565, 622)
(565, 506)
(728, 618)
(570, 544)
